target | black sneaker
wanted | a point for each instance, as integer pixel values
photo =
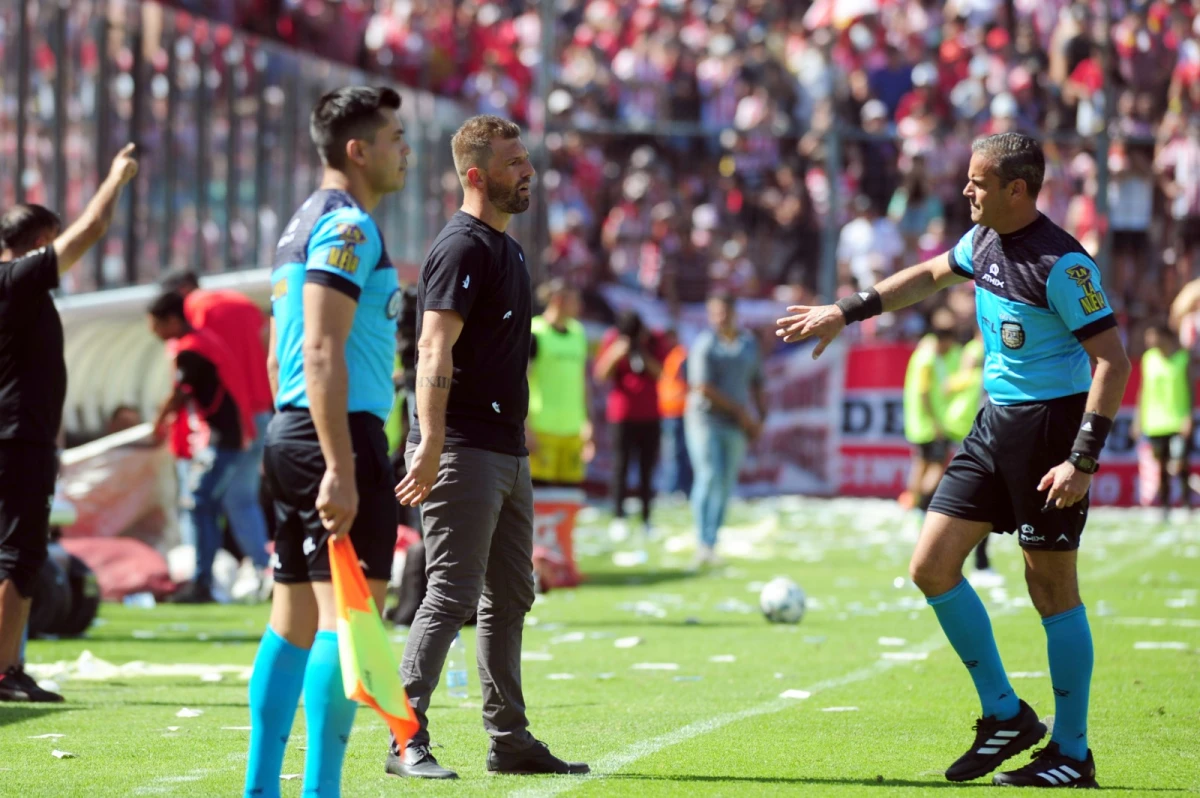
(17, 685)
(534, 760)
(996, 741)
(1050, 768)
(417, 762)
(192, 593)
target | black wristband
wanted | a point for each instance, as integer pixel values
(1093, 432)
(861, 306)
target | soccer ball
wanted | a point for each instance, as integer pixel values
(782, 601)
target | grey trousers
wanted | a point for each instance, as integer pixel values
(478, 530)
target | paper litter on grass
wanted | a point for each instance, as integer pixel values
(647, 608)
(189, 713)
(906, 656)
(723, 658)
(734, 605)
(174, 728)
(839, 709)
(143, 634)
(89, 667)
(1166, 645)
(560, 677)
(627, 642)
(1185, 623)
(569, 637)
(1027, 675)
(211, 677)
(536, 656)
(605, 676)
(289, 776)
(892, 641)
(797, 694)
(47, 736)
(655, 666)
(235, 728)
(689, 678)
(62, 754)
(630, 559)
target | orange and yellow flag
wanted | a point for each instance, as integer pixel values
(369, 668)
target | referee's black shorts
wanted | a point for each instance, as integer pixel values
(994, 476)
(293, 467)
(27, 475)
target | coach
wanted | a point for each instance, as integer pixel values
(34, 253)
(466, 454)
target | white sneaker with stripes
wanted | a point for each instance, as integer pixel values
(1051, 768)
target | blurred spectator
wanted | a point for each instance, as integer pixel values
(123, 417)
(1178, 165)
(672, 401)
(868, 246)
(1130, 209)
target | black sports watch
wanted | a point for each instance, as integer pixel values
(1084, 463)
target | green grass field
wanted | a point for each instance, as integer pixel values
(710, 720)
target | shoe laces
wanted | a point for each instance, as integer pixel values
(423, 752)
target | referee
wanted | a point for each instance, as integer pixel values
(1028, 462)
(34, 253)
(466, 454)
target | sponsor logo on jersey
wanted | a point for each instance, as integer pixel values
(1092, 300)
(343, 258)
(351, 234)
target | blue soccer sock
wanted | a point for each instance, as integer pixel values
(1069, 644)
(275, 686)
(966, 624)
(329, 716)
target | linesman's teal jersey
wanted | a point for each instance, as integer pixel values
(1037, 297)
(334, 242)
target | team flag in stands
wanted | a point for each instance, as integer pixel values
(369, 668)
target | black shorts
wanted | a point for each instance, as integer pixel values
(1161, 446)
(27, 475)
(1131, 242)
(934, 451)
(293, 467)
(994, 476)
(1187, 233)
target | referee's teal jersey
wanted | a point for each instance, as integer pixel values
(1037, 297)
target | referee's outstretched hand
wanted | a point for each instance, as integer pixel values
(1068, 485)
(337, 503)
(824, 322)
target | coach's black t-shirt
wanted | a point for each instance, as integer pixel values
(481, 274)
(33, 372)
(198, 376)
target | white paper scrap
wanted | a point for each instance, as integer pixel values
(1027, 675)
(211, 677)
(62, 754)
(235, 728)
(1160, 645)
(839, 709)
(174, 728)
(892, 641)
(723, 658)
(797, 694)
(189, 713)
(627, 642)
(656, 666)
(47, 736)
(561, 677)
(536, 656)
(906, 656)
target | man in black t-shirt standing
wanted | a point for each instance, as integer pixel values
(467, 463)
(34, 253)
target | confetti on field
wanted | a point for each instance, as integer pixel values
(1185, 623)
(560, 677)
(174, 728)
(655, 666)
(143, 634)
(689, 678)
(839, 709)
(627, 642)
(211, 677)
(61, 754)
(289, 776)
(234, 728)
(906, 656)
(1027, 675)
(723, 658)
(536, 656)
(569, 637)
(892, 641)
(47, 736)
(189, 713)
(1160, 645)
(799, 695)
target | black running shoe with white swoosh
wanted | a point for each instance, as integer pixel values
(1050, 768)
(996, 741)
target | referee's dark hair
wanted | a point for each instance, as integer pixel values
(22, 225)
(351, 112)
(168, 305)
(1014, 156)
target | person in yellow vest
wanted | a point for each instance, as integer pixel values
(1165, 408)
(964, 390)
(558, 433)
(925, 401)
(672, 401)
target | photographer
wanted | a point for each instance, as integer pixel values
(630, 360)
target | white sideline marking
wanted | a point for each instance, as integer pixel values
(619, 760)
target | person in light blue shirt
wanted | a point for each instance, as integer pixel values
(334, 303)
(1027, 463)
(724, 376)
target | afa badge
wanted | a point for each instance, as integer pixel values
(393, 304)
(1012, 334)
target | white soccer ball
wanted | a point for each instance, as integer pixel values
(782, 601)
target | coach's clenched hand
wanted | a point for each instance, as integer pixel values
(1068, 485)
(825, 322)
(421, 476)
(337, 502)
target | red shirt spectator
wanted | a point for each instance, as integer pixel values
(633, 393)
(240, 325)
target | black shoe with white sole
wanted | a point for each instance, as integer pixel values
(417, 762)
(17, 685)
(532, 761)
(996, 741)
(1050, 768)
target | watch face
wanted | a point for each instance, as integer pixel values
(1085, 463)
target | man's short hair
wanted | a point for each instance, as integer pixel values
(351, 112)
(168, 305)
(555, 286)
(177, 279)
(472, 143)
(1014, 156)
(725, 298)
(21, 225)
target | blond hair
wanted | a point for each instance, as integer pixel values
(472, 144)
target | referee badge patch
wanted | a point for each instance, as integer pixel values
(1012, 334)
(393, 306)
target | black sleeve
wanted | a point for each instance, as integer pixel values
(37, 271)
(533, 347)
(454, 274)
(195, 373)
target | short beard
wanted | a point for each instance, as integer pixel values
(508, 201)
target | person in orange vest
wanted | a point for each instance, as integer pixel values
(672, 401)
(207, 378)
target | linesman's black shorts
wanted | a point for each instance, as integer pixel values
(293, 467)
(934, 451)
(27, 474)
(994, 476)
(1161, 446)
